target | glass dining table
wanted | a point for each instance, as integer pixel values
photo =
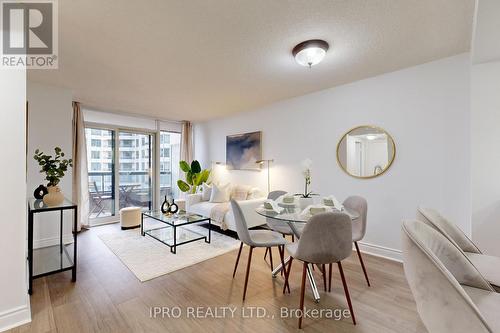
(296, 218)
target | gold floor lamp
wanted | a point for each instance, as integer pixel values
(262, 162)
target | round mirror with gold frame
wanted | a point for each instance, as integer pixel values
(366, 151)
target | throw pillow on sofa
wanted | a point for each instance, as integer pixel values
(220, 193)
(240, 192)
(207, 192)
(255, 193)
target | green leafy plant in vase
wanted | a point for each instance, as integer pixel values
(195, 176)
(55, 168)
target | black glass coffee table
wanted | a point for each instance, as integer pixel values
(174, 231)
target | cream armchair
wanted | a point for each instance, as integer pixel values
(489, 266)
(451, 294)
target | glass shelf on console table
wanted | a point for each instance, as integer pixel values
(176, 229)
(56, 258)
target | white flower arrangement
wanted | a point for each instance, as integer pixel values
(306, 172)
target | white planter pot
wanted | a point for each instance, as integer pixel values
(304, 202)
(54, 197)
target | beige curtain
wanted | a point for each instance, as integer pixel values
(187, 142)
(80, 172)
(186, 148)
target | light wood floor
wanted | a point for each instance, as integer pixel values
(108, 298)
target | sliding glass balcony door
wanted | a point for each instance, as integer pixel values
(130, 167)
(101, 172)
(135, 169)
(121, 171)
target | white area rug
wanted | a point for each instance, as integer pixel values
(147, 258)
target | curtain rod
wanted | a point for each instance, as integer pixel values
(129, 114)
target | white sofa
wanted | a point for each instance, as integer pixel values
(196, 205)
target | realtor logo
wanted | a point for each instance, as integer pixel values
(29, 34)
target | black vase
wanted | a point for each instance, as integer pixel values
(165, 206)
(38, 204)
(40, 192)
(173, 207)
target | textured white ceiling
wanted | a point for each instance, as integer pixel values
(201, 59)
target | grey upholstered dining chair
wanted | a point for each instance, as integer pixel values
(278, 226)
(326, 239)
(360, 206)
(451, 294)
(489, 266)
(254, 238)
(274, 224)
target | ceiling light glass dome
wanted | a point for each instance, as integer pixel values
(311, 52)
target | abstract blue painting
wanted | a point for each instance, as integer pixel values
(243, 150)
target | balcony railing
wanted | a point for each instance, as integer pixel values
(135, 190)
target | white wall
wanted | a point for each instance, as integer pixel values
(485, 118)
(49, 125)
(14, 304)
(485, 44)
(485, 157)
(426, 110)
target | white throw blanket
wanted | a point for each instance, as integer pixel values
(218, 212)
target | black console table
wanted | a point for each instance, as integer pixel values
(56, 258)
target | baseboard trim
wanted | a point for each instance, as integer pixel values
(15, 317)
(381, 251)
(46, 242)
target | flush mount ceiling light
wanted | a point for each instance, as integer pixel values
(310, 52)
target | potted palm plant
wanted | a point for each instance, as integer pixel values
(54, 168)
